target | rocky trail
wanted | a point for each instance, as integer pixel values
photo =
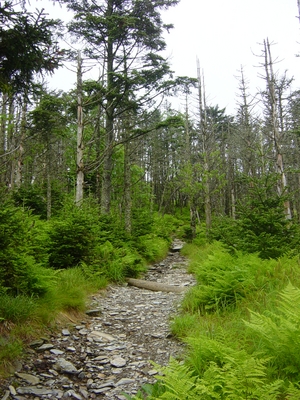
(108, 353)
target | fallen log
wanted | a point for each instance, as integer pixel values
(154, 286)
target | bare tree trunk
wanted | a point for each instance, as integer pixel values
(3, 136)
(270, 77)
(19, 169)
(203, 125)
(80, 165)
(109, 126)
(48, 176)
(192, 200)
(127, 188)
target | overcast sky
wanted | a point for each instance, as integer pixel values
(225, 35)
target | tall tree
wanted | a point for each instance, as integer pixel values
(273, 105)
(28, 46)
(48, 122)
(205, 150)
(80, 145)
(127, 38)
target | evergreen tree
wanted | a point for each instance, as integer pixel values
(28, 46)
(126, 38)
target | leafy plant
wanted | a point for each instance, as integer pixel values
(235, 380)
(278, 333)
(223, 280)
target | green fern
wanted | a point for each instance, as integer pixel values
(235, 380)
(279, 332)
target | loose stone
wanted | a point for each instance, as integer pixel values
(31, 379)
(44, 347)
(63, 365)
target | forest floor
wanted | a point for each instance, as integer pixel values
(110, 350)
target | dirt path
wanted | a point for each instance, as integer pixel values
(108, 353)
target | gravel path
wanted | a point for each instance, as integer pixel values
(109, 352)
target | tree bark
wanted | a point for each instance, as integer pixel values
(109, 125)
(19, 169)
(80, 146)
(127, 188)
(203, 129)
(270, 77)
(154, 286)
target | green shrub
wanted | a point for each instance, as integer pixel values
(262, 226)
(33, 198)
(166, 226)
(72, 239)
(116, 264)
(151, 247)
(20, 252)
(142, 222)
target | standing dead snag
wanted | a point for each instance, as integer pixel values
(80, 166)
(272, 103)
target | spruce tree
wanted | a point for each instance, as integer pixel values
(126, 38)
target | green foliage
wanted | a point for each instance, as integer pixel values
(262, 226)
(229, 357)
(166, 226)
(19, 270)
(69, 291)
(27, 47)
(71, 238)
(117, 263)
(183, 325)
(223, 279)
(151, 247)
(142, 222)
(16, 309)
(278, 333)
(10, 349)
(34, 198)
(238, 378)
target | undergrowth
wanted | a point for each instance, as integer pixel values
(51, 267)
(241, 327)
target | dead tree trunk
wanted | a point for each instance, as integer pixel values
(273, 106)
(80, 164)
(203, 130)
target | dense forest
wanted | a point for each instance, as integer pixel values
(95, 182)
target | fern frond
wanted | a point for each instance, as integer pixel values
(279, 331)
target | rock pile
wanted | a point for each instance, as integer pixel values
(109, 353)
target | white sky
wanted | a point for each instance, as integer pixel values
(224, 35)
